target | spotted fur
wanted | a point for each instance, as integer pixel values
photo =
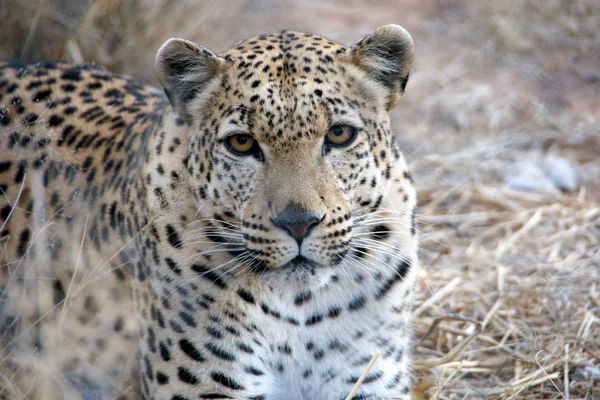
(142, 258)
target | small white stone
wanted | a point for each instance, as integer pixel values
(562, 173)
(527, 176)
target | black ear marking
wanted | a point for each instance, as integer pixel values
(185, 70)
(403, 82)
(386, 54)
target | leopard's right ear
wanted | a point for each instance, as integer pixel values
(185, 70)
(386, 56)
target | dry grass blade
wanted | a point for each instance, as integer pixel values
(455, 351)
(363, 376)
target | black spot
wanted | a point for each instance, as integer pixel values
(361, 252)
(113, 93)
(377, 202)
(164, 351)
(254, 371)
(5, 212)
(401, 270)
(173, 237)
(245, 348)
(246, 295)
(71, 75)
(313, 319)
(302, 297)
(394, 381)
(173, 266)
(5, 166)
(357, 303)
(151, 340)
(209, 275)
(55, 120)
(285, 349)
(70, 110)
(38, 162)
(23, 242)
(59, 292)
(188, 319)
(334, 312)
(190, 350)
(214, 332)
(162, 379)
(68, 87)
(319, 92)
(380, 232)
(372, 377)
(149, 374)
(42, 95)
(118, 327)
(5, 120)
(219, 352)
(226, 380)
(319, 354)
(222, 396)
(87, 163)
(187, 376)
(11, 88)
(30, 119)
(94, 85)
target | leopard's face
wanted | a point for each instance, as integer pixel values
(291, 145)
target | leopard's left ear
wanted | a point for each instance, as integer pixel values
(386, 55)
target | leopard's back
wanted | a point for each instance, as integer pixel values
(70, 136)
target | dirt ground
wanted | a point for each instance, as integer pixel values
(500, 123)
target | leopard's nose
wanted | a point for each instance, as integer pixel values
(297, 221)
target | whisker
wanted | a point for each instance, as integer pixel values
(198, 276)
(401, 257)
(221, 247)
(220, 232)
(356, 262)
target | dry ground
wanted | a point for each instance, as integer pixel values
(510, 299)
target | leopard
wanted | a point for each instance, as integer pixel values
(247, 231)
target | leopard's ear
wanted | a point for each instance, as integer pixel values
(386, 55)
(185, 70)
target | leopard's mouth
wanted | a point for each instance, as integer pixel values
(297, 264)
(300, 263)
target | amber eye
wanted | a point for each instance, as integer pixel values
(242, 145)
(340, 135)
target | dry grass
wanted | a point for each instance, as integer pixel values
(510, 303)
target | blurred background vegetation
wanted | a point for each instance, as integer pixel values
(504, 95)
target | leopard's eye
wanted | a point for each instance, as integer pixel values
(242, 145)
(340, 135)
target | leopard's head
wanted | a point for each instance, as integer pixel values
(291, 159)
